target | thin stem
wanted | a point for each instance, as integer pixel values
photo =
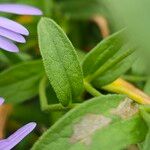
(42, 94)
(91, 89)
(44, 103)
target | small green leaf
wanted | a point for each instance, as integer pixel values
(103, 122)
(60, 61)
(115, 72)
(20, 82)
(109, 55)
(101, 53)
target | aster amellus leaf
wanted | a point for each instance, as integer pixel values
(61, 61)
(16, 137)
(11, 30)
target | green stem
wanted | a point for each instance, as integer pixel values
(42, 94)
(91, 89)
(108, 65)
(44, 103)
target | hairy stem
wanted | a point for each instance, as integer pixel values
(89, 88)
(44, 103)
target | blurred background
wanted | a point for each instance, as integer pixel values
(86, 22)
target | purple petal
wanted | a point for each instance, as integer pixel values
(12, 35)
(13, 26)
(1, 100)
(20, 9)
(16, 137)
(8, 45)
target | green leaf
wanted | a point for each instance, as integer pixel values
(20, 82)
(60, 61)
(108, 56)
(101, 53)
(103, 122)
(115, 72)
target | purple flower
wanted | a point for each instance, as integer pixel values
(16, 137)
(1, 100)
(11, 31)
